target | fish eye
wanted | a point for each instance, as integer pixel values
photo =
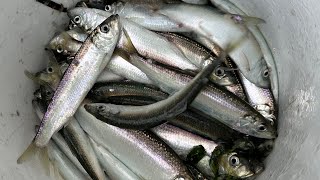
(219, 72)
(77, 19)
(104, 28)
(48, 93)
(262, 127)
(101, 108)
(50, 70)
(107, 8)
(266, 73)
(59, 49)
(234, 161)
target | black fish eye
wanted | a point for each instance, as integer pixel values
(59, 49)
(50, 70)
(266, 73)
(262, 127)
(104, 28)
(107, 8)
(77, 19)
(234, 161)
(219, 72)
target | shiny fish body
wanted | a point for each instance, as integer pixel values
(147, 156)
(196, 1)
(65, 44)
(144, 15)
(197, 55)
(149, 44)
(81, 145)
(204, 126)
(66, 168)
(78, 34)
(58, 139)
(113, 166)
(120, 66)
(108, 76)
(181, 141)
(120, 89)
(229, 7)
(80, 76)
(223, 31)
(148, 116)
(261, 99)
(214, 102)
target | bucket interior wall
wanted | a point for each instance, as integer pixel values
(292, 31)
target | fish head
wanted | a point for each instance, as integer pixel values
(114, 8)
(64, 44)
(259, 74)
(234, 165)
(106, 35)
(46, 93)
(101, 110)
(258, 126)
(87, 18)
(223, 77)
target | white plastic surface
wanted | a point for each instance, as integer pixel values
(292, 30)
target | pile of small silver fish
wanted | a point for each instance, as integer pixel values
(156, 89)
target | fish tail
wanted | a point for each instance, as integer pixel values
(34, 78)
(131, 48)
(29, 153)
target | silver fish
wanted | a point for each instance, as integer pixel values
(212, 101)
(61, 162)
(144, 15)
(236, 38)
(80, 76)
(229, 7)
(196, 1)
(149, 44)
(155, 159)
(260, 98)
(80, 143)
(65, 44)
(78, 34)
(58, 139)
(108, 76)
(112, 165)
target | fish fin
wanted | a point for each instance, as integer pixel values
(253, 21)
(131, 48)
(29, 153)
(45, 161)
(34, 78)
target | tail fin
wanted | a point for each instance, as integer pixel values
(34, 78)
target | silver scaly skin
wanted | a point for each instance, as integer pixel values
(149, 44)
(79, 78)
(225, 32)
(212, 101)
(142, 151)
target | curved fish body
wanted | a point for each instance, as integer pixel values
(212, 101)
(148, 116)
(201, 2)
(78, 34)
(225, 32)
(79, 78)
(260, 98)
(229, 7)
(81, 145)
(114, 168)
(121, 89)
(143, 152)
(149, 44)
(181, 141)
(61, 162)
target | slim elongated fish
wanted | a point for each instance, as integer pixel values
(223, 31)
(155, 159)
(147, 43)
(112, 165)
(81, 145)
(213, 101)
(80, 76)
(144, 117)
(231, 8)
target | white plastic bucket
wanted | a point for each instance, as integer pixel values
(292, 31)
